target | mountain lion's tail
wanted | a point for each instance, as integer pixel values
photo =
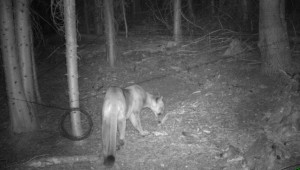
(109, 134)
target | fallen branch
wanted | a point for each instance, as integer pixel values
(42, 162)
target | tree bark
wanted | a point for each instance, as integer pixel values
(177, 21)
(136, 7)
(86, 16)
(191, 9)
(97, 18)
(245, 11)
(124, 16)
(212, 7)
(221, 6)
(24, 51)
(22, 115)
(71, 57)
(282, 15)
(273, 39)
(34, 70)
(110, 32)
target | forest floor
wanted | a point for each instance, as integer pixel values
(219, 108)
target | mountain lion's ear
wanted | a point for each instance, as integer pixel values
(159, 98)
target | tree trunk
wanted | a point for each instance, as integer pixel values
(212, 7)
(34, 70)
(136, 7)
(22, 113)
(124, 16)
(245, 11)
(282, 16)
(86, 16)
(110, 32)
(25, 51)
(191, 9)
(71, 57)
(221, 6)
(177, 21)
(273, 39)
(97, 18)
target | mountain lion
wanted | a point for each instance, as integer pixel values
(118, 106)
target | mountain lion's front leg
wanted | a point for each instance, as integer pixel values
(136, 122)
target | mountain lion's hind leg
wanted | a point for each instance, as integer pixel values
(136, 122)
(121, 128)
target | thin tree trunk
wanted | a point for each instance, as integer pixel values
(22, 117)
(221, 6)
(97, 18)
(34, 71)
(136, 7)
(191, 9)
(212, 7)
(86, 16)
(177, 21)
(273, 39)
(71, 56)
(110, 32)
(245, 11)
(124, 16)
(282, 15)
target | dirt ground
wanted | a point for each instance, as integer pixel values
(219, 108)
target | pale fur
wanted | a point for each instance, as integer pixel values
(119, 105)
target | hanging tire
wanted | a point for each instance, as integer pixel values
(67, 134)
